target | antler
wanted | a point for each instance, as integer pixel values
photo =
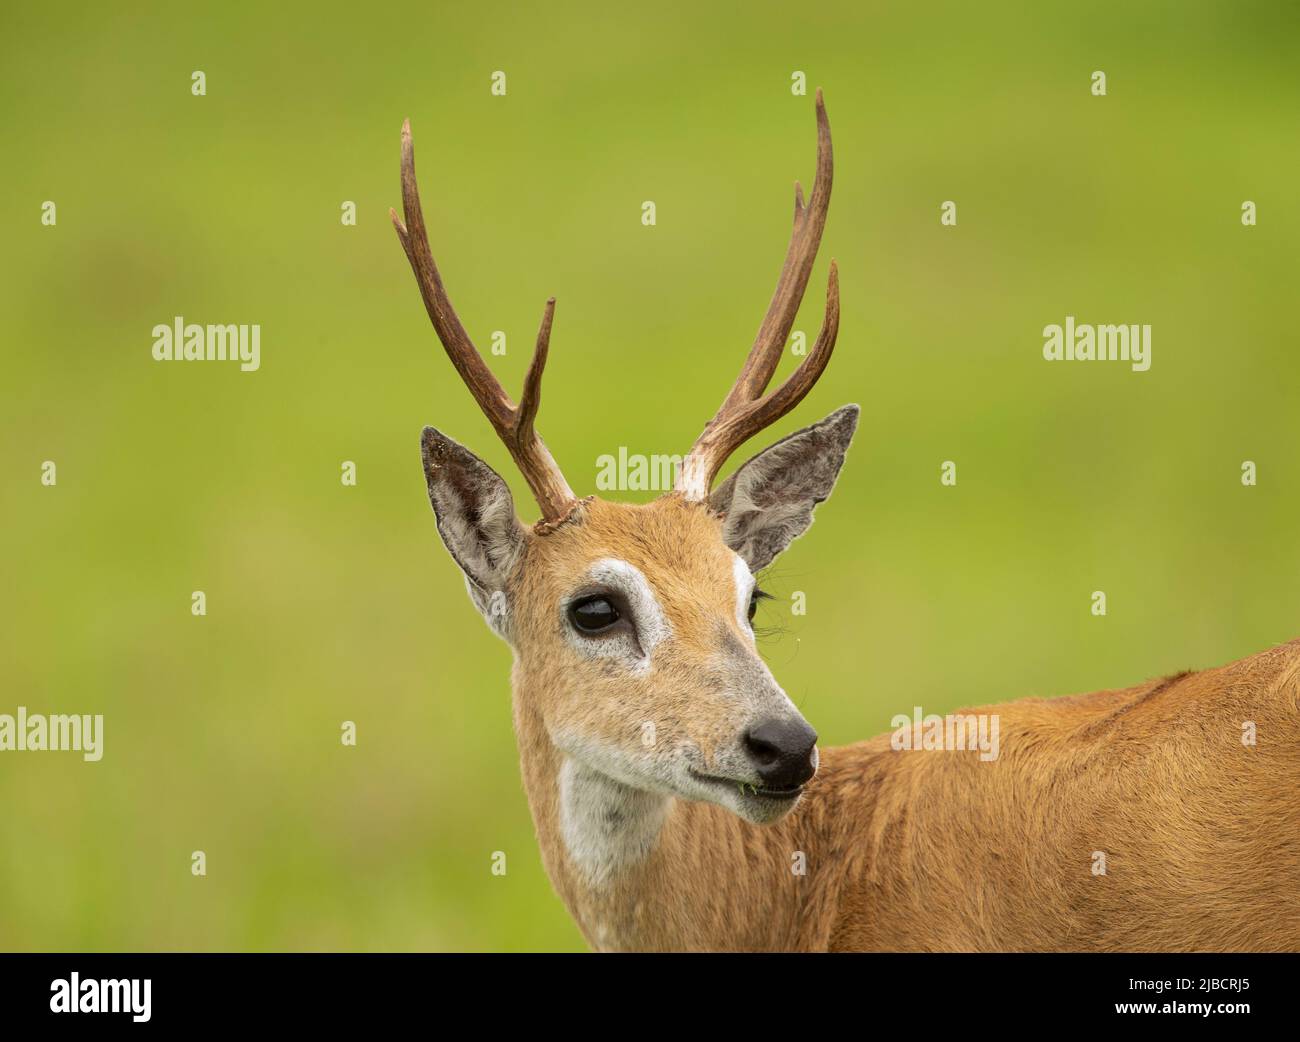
(747, 410)
(513, 423)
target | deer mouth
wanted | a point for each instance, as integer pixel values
(746, 788)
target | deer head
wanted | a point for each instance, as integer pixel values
(631, 624)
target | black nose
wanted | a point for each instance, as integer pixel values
(782, 750)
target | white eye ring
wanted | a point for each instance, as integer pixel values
(632, 643)
(745, 586)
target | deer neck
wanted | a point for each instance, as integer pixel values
(644, 871)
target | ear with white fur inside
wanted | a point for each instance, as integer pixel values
(477, 522)
(768, 502)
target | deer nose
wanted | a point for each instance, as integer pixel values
(782, 750)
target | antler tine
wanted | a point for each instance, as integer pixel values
(746, 410)
(805, 237)
(513, 424)
(531, 399)
(731, 428)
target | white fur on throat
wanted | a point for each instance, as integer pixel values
(607, 826)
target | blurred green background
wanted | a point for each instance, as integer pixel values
(328, 603)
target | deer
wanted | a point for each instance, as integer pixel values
(680, 799)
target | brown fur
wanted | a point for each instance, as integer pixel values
(934, 851)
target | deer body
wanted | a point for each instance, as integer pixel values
(679, 796)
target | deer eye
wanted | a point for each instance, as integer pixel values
(754, 598)
(593, 614)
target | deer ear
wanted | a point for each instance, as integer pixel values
(477, 522)
(768, 502)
